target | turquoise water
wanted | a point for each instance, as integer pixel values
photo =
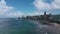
(13, 26)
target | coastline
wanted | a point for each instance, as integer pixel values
(52, 28)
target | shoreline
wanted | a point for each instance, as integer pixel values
(53, 27)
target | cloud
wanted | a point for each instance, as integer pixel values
(15, 14)
(57, 2)
(39, 4)
(8, 11)
(45, 5)
(4, 8)
(36, 13)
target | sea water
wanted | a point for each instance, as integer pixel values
(13, 26)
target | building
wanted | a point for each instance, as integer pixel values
(46, 16)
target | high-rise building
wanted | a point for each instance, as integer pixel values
(45, 15)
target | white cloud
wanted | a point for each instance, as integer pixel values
(4, 8)
(46, 6)
(36, 13)
(57, 2)
(42, 6)
(15, 14)
(7, 11)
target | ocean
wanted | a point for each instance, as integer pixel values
(13, 26)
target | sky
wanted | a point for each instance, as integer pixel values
(17, 8)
